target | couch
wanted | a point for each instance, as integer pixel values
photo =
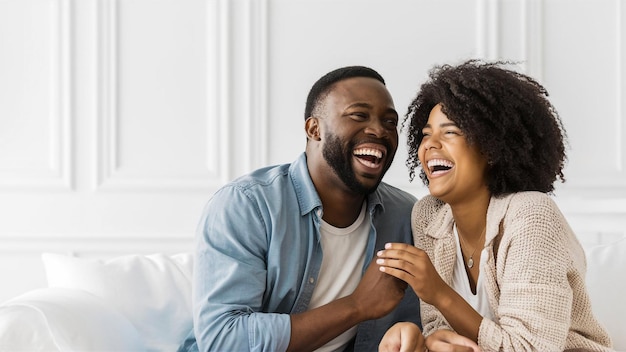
(143, 302)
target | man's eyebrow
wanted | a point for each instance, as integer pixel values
(369, 106)
(360, 105)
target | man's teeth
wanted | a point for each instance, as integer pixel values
(438, 165)
(369, 157)
(369, 151)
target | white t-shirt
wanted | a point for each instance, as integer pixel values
(342, 267)
(460, 282)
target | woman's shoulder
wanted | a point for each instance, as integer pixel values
(428, 205)
(527, 202)
(526, 212)
(428, 210)
(516, 211)
(531, 196)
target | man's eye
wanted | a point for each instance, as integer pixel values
(393, 122)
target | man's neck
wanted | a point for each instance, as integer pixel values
(341, 205)
(341, 210)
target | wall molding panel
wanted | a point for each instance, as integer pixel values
(487, 39)
(532, 43)
(620, 88)
(90, 245)
(243, 81)
(110, 171)
(258, 82)
(612, 181)
(54, 172)
(119, 119)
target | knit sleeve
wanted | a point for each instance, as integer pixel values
(532, 268)
(424, 214)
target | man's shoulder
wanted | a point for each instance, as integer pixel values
(262, 177)
(280, 175)
(261, 188)
(389, 193)
(394, 218)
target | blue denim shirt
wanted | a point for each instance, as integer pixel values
(258, 256)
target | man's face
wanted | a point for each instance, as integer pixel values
(359, 130)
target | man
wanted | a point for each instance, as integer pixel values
(283, 254)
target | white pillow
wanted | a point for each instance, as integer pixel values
(606, 270)
(152, 291)
(54, 319)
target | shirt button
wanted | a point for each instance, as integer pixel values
(311, 280)
(319, 212)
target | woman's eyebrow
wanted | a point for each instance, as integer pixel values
(445, 124)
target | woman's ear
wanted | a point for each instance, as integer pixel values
(312, 128)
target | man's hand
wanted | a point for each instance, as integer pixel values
(402, 337)
(377, 294)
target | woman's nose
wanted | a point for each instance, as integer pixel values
(429, 142)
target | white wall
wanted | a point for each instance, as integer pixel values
(119, 118)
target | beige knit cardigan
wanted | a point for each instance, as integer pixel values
(534, 275)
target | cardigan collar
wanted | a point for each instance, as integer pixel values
(442, 222)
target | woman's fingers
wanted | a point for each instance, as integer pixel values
(402, 337)
(450, 341)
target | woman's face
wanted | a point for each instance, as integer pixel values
(456, 170)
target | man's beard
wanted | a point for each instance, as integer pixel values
(340, 160)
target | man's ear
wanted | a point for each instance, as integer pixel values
(312, 128)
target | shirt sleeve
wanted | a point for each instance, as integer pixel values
(230, 274)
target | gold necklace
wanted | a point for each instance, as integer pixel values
(470, 260)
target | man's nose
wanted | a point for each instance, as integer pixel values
(376, 128)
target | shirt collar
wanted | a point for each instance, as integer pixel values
(308, 199)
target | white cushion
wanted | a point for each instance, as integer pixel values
(53, 319)
(606, 271)
(152, 291)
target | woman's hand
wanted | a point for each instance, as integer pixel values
(413, 266)
(402, 337)
(450, 341)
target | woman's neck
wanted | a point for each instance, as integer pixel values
(471, 216)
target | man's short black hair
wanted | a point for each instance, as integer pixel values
(323, 85)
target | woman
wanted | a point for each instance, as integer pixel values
(495, 263)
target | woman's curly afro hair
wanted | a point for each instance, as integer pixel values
(505, 113)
